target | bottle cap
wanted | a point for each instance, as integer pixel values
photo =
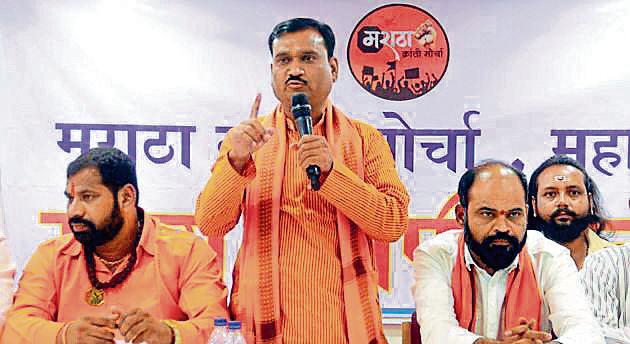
(234, 325)
(220, 322)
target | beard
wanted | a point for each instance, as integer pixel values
(564, 232)
(94, 237)
(497, 257)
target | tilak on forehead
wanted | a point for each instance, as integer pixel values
(563, 174)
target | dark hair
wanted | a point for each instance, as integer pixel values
(115, 167)
(596, 203)
(468, 178)
(299, 24)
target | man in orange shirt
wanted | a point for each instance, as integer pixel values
(120, 273)
(305, 271)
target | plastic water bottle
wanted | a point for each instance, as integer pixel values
(234, 333)
(220, 333)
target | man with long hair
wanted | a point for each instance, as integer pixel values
(566, 205)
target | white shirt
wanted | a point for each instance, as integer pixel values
(605, 278)
(564, 306)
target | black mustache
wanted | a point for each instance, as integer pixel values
(557, 212)
(501, 236)
(296, 78)
(91, 226)
(80, 221)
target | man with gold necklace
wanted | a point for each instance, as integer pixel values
(121, 273)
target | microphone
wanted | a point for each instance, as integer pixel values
(302, 114)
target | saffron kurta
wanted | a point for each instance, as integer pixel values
(176, 277)
(310, 270)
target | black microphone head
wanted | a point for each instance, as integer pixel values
(299, 99)
(300, 106)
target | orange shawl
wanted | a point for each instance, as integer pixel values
(259, 281)
(522, 294)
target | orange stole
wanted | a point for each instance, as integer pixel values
(522, 295)
(259, 283)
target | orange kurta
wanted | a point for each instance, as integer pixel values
(311, 297)
(176, 276)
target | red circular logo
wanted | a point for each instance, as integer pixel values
(398, 52)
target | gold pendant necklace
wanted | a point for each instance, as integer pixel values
(95, 297)
(112, 266)
(111, 263)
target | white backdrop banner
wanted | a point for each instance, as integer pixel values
(448, 83)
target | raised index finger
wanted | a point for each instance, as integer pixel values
(255, 107)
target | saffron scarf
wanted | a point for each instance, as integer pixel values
(522, 294)
(259, 287)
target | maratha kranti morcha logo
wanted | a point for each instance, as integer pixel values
(398, 52)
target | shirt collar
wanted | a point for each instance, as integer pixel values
(147, 240)
(149, 235)
(596, 243)
(468, 259)
(72, 247)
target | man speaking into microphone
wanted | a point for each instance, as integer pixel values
(305, 271)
